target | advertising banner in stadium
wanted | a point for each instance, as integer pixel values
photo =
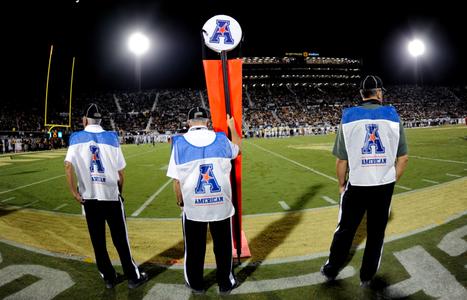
(222, 33)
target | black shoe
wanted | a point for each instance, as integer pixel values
(328, 277)
(365, 284)
(112, 282)
(134, 283)
(195, 291)
(224, 291)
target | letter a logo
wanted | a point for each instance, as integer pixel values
(222, 30)
(372, 139)
(206, 177)
(96, 163)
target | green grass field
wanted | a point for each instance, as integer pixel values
(298, 171)
(267, 178)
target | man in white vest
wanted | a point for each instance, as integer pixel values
(200, 166)
(371, 146)
(96, 158)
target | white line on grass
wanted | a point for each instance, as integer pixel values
(439, 159)
(150, 199)
(403, 187)
(29, 204)
(453, 175)
(430, 181)
(60, 206)
(34, 183)
(8, 199)
(294, 162)
(327, 199)
(284, 205)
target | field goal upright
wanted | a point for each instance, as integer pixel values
(47, 125)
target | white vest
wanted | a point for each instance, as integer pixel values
(204, 175)
(96, 157)
(371, 140)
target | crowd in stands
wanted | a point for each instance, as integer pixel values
(297, 109)
(18, 144)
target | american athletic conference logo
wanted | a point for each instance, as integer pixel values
(207, 178)
(222, 33)
(97, 168)
(372, 140)
(222, 30)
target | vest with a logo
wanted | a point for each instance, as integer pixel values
(371, 140)
(205, 178)
(97, 158)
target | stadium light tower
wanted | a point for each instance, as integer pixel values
(138, 44)
(416, 49)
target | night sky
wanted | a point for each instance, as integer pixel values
(96, 31)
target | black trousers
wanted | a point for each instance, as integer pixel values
(355, 201)
(112, 212)
(195, 249)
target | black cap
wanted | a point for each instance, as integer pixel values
(197, 113)
(371, 82)
(93, 112)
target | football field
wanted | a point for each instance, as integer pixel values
(290, 207)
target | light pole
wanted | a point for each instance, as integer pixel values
(416, 48)
(138, 44)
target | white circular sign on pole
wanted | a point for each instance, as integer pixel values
(222, 33)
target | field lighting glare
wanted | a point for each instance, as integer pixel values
(138, 43)
(416, 48)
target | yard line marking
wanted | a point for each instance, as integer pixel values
(439, 159)
(150, 199)
(31, 184)
(164, 167)
(453, 175)
(403, 187)
(330, 200)
(60, 206)
(30, 203)
(430, 181)
(8, 199)
(294, 162)
(284, 205)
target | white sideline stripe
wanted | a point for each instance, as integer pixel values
(453, 175)
(8, 199)
(284, 205)
(430, 181)
(403, 187)
(29, 204)
(327, 199)
(294, 162)
(60, 206)
(150, 199)
(34, 183)
(439, 159)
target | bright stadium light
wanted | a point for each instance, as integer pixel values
(138, 43)
(416, 48)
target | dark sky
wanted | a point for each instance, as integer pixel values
(95, 32)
